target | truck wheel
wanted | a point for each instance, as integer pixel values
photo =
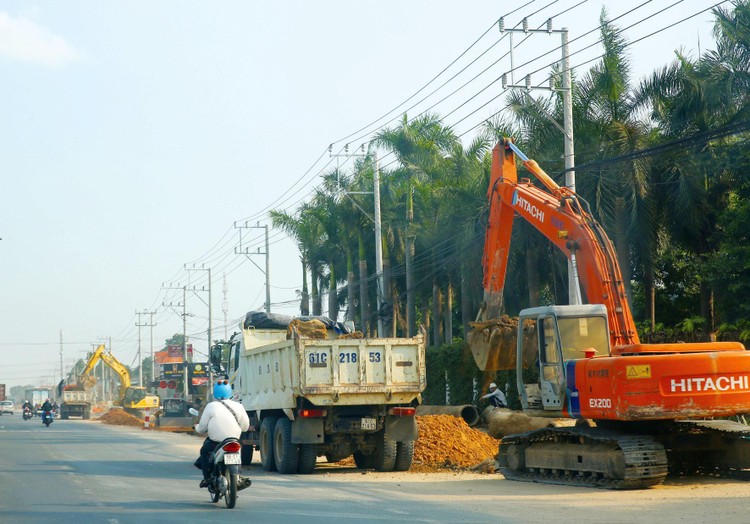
(385, 453)
(364, 461)
(86, 413)
(285, 453)
(404, 455)
(308, 455)
(266, 443)
(246, 454)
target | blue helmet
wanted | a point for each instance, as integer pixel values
(222, 390)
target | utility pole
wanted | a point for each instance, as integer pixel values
(140, 325)
(140, 358)
(246, 251)
(184, 333)
(225, 306)
(380, 287)
(62, 369)
(574, 293)
(203, 288)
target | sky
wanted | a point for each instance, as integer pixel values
(136, 137)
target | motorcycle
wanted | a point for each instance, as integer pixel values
(27, 414)
(225, 478)
(47, 417)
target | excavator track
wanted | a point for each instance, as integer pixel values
(708, 447)
(584, 457)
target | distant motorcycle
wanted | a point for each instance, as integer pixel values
(27, 414)
(47, 417)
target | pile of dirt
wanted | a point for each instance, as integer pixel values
(447, 442)
(119, 417)
(314, 329)
(496, 340)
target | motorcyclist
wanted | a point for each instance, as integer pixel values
(222, 418)
(46, 409)
(27, 405)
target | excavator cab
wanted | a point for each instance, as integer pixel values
(553, 336)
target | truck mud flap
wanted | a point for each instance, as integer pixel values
(307, 431)
(401, 429)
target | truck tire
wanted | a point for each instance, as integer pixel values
(404, 455)
(86, 413)
(385, 453)
(364, 461)
(63, 414)
(285, 453)
(308, 455)
(246, 454)
(266, 443)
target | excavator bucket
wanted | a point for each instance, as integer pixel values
(493, 343)
(88, 382)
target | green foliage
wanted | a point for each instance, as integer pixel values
(451, 366)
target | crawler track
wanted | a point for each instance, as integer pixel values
(708, 447)
(584, 457)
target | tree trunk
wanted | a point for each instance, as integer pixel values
(316, 299)
(411, 308)
(436, 303)
(364, 300)
(532, 274)
(707, 307)
(466, 312)
(351, 287)
(389, 326)
(650, 294)
(333, 299)
(426, 323)
(448, 314)
(305, 303)
(622, 246)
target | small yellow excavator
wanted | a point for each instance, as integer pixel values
(133, 399)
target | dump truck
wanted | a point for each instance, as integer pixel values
(334, 396)
(76, 401)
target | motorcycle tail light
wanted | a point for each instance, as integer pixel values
(232, 447)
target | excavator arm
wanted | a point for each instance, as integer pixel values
(559, 214)
(112, 362)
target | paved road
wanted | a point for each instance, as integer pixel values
(85, 471)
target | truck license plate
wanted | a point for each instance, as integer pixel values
(369, 423)
(232, 458)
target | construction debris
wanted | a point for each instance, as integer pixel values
(120, 417)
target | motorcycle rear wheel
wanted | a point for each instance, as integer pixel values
(215, 495)
(230, 497)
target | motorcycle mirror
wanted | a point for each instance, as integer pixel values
(193, 412)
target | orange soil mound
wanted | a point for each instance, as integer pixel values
(448, 442)
(119, 417)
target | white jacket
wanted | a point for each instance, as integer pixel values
(219, 423)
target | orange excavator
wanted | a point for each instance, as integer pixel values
(642, 410)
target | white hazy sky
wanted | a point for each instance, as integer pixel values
(134, 134)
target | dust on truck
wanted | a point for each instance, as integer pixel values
(332, 397)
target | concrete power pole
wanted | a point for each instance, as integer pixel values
(62, 369)
(203, 288)
(140, 325)
(574, 292)
(246, 251)
(184, 332)
(225, 305)
(380, 287)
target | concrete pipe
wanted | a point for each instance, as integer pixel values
(467, 412)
